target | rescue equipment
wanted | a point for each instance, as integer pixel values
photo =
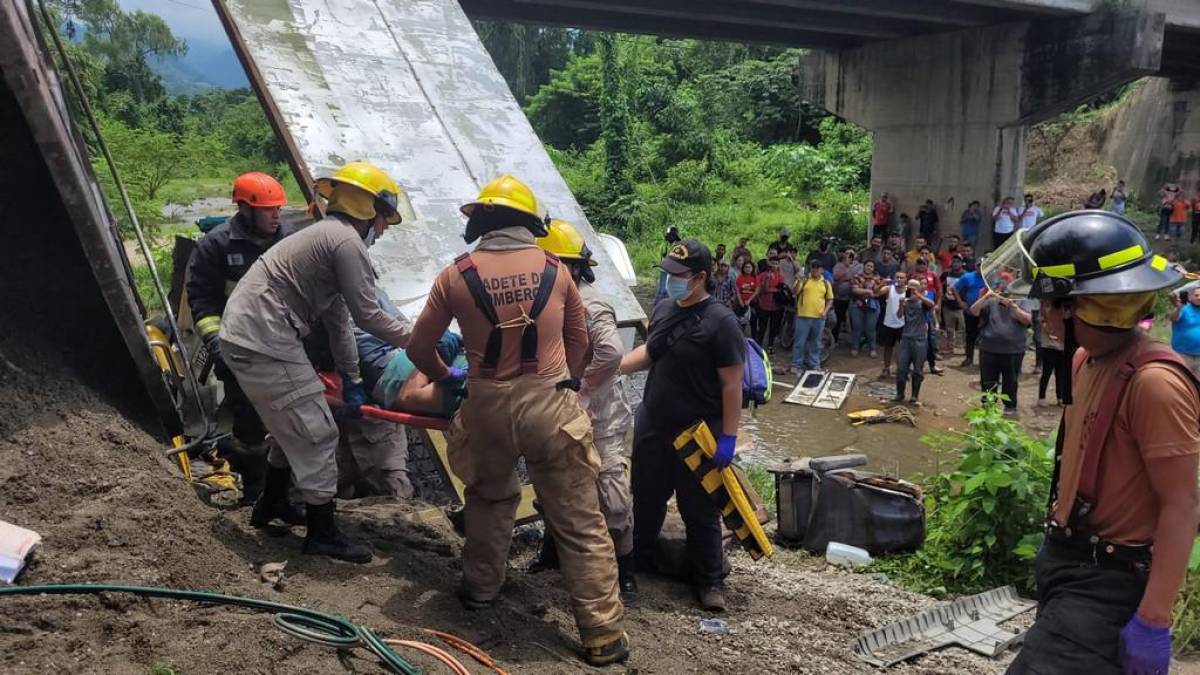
(529, 334)
(696, 447)
(825, 499)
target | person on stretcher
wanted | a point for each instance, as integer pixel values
(394, 382)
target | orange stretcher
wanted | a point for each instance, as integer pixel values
(333, 395)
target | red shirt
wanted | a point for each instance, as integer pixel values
(746, 283)
(945, 258)
(881, 212)
(769, 281)
(932, 282)
(1179, 210)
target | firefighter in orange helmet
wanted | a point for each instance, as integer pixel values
(221, 257)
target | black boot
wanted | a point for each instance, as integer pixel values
(273, 502)
(916, 391)
(323, 537)
(899, 390)
(547, 557)
(626, 581)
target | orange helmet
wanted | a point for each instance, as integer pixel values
(257, 189)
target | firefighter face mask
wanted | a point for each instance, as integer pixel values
(1122, 310)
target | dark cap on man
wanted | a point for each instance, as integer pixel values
(686, 256)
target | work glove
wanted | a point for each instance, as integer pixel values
(212, 344)
(448, 346)
(353, 397)
(456, 377)
(726, 448)
(1145, 649)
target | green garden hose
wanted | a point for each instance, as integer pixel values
(306, 624)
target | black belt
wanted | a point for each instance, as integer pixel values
(1098, 552)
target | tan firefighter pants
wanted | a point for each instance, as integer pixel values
(499, 422)
(613, 486)
(372, 460)
(291, 402)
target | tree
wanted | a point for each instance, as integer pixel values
(566, 110)
(123, 42)
(526, 55)
(614, 123)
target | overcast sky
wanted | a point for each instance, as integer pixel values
(192, 20)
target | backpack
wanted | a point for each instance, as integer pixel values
(757, 379)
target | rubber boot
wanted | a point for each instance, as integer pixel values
(616, 651)
(626, 581)
(323, 537)
(273, 502)
(547, 558)
(916, 392)
(899, 389)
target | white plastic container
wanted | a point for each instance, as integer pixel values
(844, 554)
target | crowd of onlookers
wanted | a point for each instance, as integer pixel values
(912, 302)
(914, 297)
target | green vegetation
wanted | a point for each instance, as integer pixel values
(711, 137)
(168, 149)
(984, 517)
(763, 482)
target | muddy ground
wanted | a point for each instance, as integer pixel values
(109, 510)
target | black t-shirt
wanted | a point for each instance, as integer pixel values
(949, 278)
(687, 345)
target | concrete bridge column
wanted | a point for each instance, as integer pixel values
(949, 111)
(1155, 138)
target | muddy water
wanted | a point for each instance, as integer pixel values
(778, 431)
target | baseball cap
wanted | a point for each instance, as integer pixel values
(686, 256)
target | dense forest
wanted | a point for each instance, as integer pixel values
(709, 136)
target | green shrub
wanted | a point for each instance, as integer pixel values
(983, 518)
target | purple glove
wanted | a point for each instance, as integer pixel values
(726, 445)
(455, 375)
(1145, 649)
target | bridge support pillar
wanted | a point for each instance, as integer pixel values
(1155, 138)
(949, 111)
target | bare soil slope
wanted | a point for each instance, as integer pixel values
(88, 480)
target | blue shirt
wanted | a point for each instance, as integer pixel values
(969, 286)
(1185, 331)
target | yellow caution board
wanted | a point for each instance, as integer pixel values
(696, 447)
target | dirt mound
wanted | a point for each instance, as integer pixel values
(88, 480)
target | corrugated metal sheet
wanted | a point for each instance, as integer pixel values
(408, 85)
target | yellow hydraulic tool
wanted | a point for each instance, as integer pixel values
(696, 447)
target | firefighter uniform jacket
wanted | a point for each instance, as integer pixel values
(221, 258)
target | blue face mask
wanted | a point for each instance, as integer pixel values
(369, 239)
(677, 287)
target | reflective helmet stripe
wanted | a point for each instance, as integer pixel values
(1121, 257)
